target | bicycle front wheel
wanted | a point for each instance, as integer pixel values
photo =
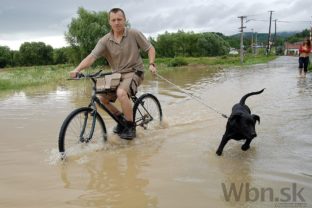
(147, 112)
(83, 127)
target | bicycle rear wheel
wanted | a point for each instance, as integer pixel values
(147, 112)
(83, 127)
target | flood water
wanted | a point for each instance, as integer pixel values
(175, 166)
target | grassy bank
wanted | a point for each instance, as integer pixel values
(21, 77)
(220, 61)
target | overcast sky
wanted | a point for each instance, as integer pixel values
(46, 20)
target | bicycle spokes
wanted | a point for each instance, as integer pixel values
(147, 111)
(144, 118)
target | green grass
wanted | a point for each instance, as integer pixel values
(21, 77)
(223, 61)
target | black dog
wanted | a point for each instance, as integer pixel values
(241, 124)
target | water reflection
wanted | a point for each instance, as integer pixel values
(236, 168)
(111, 178)
(304, 86)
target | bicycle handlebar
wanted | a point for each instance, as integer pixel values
(94, 75)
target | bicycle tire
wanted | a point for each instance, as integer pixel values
(147, 112)
(71, 134)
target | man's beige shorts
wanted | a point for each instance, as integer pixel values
(129, 82)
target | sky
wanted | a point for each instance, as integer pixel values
(47, 20)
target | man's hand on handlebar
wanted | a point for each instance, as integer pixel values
(73, 74)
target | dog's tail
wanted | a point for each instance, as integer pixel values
(242, 101)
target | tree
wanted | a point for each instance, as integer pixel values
(190, 44)
(59, 56)
(35, 53)
(16, 59)
(164, 45)
(216, 45)
(85, 31)
(299, 36)
(5, 56)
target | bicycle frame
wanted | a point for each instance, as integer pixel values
(95, 100)
(85, 123)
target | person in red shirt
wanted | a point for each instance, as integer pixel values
(304, 52)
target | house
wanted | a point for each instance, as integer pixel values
(292, 49)
(233, 51)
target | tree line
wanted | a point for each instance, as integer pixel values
(88, 27)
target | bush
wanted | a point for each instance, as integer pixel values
(179, 61)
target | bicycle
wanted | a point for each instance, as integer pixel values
(85, 125)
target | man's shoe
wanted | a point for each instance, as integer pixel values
(118, 129)
(129, 132)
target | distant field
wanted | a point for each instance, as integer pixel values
(21, 77)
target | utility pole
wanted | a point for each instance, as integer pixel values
(256, 44)
(252, 44)
(274, 39)
(269, 36)
(242, 39)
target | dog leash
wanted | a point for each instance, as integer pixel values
(192, 96)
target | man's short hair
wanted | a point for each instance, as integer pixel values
(115, 10)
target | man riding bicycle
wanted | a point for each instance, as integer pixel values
(121, 48)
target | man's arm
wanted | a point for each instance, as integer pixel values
(151, 58)
(85, 63)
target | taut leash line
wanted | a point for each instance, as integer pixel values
(192, 96)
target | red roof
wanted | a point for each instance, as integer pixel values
(293, 45)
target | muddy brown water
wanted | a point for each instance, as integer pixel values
(175, 166)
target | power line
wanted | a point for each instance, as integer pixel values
(283, 21)
(257, 20)
(294, 21)
(257, 14)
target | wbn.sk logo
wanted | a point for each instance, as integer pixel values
(244, 192)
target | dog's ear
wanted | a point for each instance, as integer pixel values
(256, 118)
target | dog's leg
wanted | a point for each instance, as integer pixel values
(246, 146)
(224, 140)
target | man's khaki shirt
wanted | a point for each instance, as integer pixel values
(123, 56)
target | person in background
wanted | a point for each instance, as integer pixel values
(121, 48)
(304, 52)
